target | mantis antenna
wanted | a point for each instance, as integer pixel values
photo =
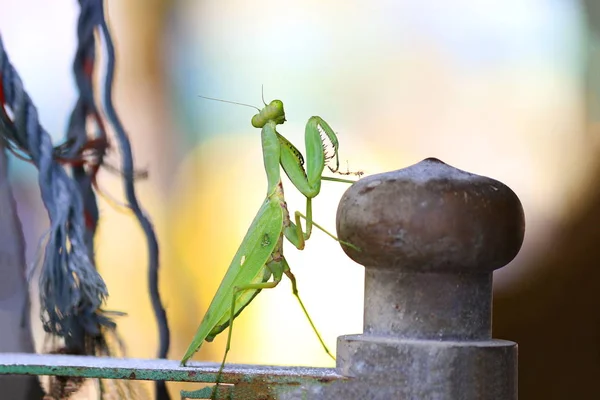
(262, 93)
(230, 102)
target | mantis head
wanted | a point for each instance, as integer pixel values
(271, 112)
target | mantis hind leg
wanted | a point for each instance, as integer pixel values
(292, 278)
(236, 291)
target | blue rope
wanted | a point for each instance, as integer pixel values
(129, 175)
(85, 107)
(71, 290)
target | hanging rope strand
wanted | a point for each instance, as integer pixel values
(128, 180)
(85, 109)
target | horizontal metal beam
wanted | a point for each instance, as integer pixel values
(152, 369)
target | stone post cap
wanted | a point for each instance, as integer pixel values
(431, 217)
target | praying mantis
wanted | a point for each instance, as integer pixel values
(260, 255)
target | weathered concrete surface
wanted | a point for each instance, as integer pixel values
(430, 237)
(15, 333)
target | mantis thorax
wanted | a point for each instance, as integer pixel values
(272, 112)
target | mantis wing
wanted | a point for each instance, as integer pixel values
(247, 266)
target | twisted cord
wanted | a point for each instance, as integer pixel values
(84, 109)
(71, 290)
(129, 175)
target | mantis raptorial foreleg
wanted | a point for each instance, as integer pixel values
(321, 147)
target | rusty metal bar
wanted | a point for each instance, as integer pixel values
(157, 369)
(246, 378)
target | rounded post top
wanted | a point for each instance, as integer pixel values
(431, 217)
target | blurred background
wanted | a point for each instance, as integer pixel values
(508, 89)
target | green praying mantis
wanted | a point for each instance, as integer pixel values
(259, 262)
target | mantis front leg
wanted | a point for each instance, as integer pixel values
(321, 146)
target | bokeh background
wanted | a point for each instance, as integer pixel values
(503, 88)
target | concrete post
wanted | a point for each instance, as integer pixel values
(430, 237)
